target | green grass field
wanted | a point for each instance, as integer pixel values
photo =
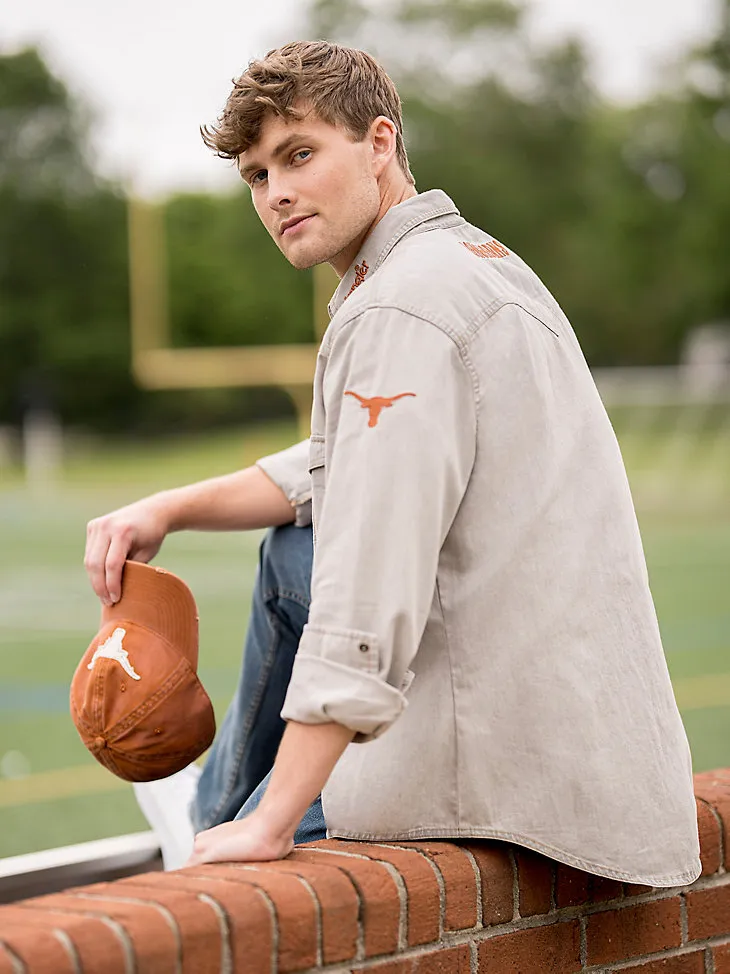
(52, 792)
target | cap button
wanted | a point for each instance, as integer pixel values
(99, 743)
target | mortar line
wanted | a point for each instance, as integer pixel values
(515, 885)
(478, 880)
(709, 961)
(224, 925)
(70, 949)
(583, 948)
(683, 921)
(18, 965)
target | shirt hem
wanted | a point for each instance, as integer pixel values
(684, 878)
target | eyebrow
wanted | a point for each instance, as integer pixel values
(278, 150)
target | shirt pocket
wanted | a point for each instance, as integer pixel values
(317, 474)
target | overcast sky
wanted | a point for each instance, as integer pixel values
(153, 70)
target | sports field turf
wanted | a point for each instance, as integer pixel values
(52, 792)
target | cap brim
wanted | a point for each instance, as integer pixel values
(162, 602)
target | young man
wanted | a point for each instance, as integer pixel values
(474, 534)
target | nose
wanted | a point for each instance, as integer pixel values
(280, 195)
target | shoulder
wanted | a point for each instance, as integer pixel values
(446, 277)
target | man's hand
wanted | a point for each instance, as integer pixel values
(247, 840)
(135, 532)
(240, 501)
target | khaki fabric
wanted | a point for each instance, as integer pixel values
(481, 614)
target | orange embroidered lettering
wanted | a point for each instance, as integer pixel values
(490, 249)
(376, 404)
(360, 274)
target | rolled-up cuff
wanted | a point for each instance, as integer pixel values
(322, 690)
(289, 470)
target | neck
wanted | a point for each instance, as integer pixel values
(392, 192)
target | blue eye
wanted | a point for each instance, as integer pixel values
(302, 155)
(255, 177)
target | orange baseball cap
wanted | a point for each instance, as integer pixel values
(136, 700)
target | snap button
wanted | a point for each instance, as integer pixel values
(99, 743)
(364, 647)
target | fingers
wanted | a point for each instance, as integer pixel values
(107, 547)
(97, 546)
(115, 558)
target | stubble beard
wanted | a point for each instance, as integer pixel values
(364, 209)
(323, 251)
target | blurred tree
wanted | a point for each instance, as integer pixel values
(63, 319)
(229, 284)
(702, 155)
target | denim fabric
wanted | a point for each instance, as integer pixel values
(312, 826)
(233, 779)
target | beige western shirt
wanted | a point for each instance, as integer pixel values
(481, 614)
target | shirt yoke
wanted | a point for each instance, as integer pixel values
(455, 278)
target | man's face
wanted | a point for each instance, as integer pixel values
(313, 188)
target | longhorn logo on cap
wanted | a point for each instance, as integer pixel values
(112, 648)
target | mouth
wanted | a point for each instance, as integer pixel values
(290, 227)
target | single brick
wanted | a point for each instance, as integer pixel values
(453, 960)
(380, 903)
(460, 882)
(708, 912)
(199, 925)
(713, 787)
(96, 943)
(339, 906)
(251, 926)
(419, 879)
(296, 911)
(154, 943)
(635, 889)
(40, 951)
(721, 958)
(497, 876)
(641, 929)
(693, 963)
(535, 878)
(554, 949)
(709, 829)
(574, 887)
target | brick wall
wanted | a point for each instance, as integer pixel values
(416, 908)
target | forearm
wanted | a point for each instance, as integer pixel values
(306, 757)
(240, 501)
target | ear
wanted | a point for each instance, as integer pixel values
(383, 135)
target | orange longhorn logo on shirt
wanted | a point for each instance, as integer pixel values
(377, 403)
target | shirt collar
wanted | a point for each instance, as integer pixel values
(396, 223)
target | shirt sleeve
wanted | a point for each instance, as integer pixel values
(289, 469)
(399, 446)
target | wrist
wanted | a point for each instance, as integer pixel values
(168, 510)
(277, 822)
(273, 830)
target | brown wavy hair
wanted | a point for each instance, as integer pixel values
(344, 86)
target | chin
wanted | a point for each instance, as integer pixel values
(305, 259)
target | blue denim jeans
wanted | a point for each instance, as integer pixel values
(239, 763)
